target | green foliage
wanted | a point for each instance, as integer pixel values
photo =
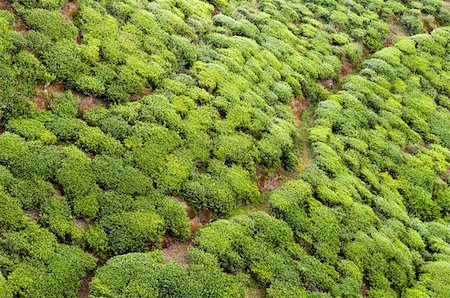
(5, 290)
(132, 231)
(32, 129)
(31, 192)
(86, 206)
(112, 174)
(174, 215)
(76, 175)
(44, 267)
(50, 23)
(47, 4)
(11, 213)
(111, 109)
(147, 275)
(64, 105)
(56, 216)
(97, 239)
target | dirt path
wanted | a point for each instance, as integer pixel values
(69, 10)
(176, 250)
(84, 291)
(306, 152)
(6, 5)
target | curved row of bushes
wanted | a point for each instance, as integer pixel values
(213, 84)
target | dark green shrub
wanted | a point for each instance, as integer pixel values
(76, 175)
(86, 206)
(57, 217)
(132, 231)
(31, 192)
(32, 129)
(51, 23)
(11, 215)
(112, 174)
(175, 217)
(47, 4)
(64, 60)
(64, 105)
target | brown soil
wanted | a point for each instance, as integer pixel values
(19, 25)
(268, 182)
(428, 24)
(2, 125)
(45, 93)
(262, 207)
(190, 211)
(88, 103)
(79, 39)
(33, 214)
(84, 291)
(254, 293)
(255, 6)
(69, 10)
(139, 96)
(58, 192)
(305, 153)
(202, 218)
(347, 67)
(174, 250)
(395, 30)
(216, 8)
(328, 84)
(197, 219)
(445, 175)
(298, 106)
(6, 5)
(82, 223)
(364, 289)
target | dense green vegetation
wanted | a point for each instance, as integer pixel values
(123, 122)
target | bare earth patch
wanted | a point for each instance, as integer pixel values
(57, 191)
(298, 106)
(6, 5)
(395, 30)
(139, 96)
(69, 10)
(428, 23)
(19, 25)
(328, 84)
(253, 293)
(45, 93)
(84, 291)
(347, 67)
(268, 182)
(88, 103)
(33, 215)
(200, 219)
(175, 250)
(305, 153)
(81, 223)
(190, 211)
(364, 289)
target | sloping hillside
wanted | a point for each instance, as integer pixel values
(185, 148)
